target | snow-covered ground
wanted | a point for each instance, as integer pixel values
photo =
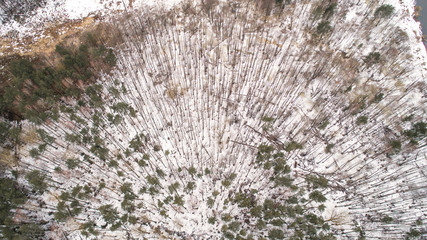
(202, 83)
(63, 10)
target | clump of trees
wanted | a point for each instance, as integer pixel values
(417, 132)
(9, 134)
(12, 196)
(36, 91)
(297, 216)
(37, 181)
(37, 87)
(325, 11)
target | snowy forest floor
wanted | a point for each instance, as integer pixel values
(223, 120)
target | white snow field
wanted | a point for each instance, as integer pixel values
(212, 84)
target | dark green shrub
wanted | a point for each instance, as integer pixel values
(157, 148)
(291, 146)
(318, 11)
(210, 202)
(378, 97)
(324, 124)
(283, 181)
(109, 213)
(408, 118)
(174, 187)
(384, 11)
(26, 231)
(21, 68)
(229, 235)
(160, 173)
(396, 145)
(11, 195)
(178, 200)
(226, 217)
(153, 180)
(8, 133)
(126, 188)
(90, 40)
(317, 196)
(234, 226)
(372, 58)
(417, 131)
(190, 186)
(226, 183)
(323, 27)
(211, 220)
(37, 181)
(267, 119)
(316, 181)
(260, 224)
(192, 170)
(82, 60)
(329, 148)
(62, 50)
(69, 61)
(413, 233)
(111, 58)
(132, 220)
(99, 51)
(387, 219)
(362, 120)
(72, 163)
(89, 228)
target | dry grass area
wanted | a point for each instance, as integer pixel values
(7, 158)
(45, 42)
(30, 136)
